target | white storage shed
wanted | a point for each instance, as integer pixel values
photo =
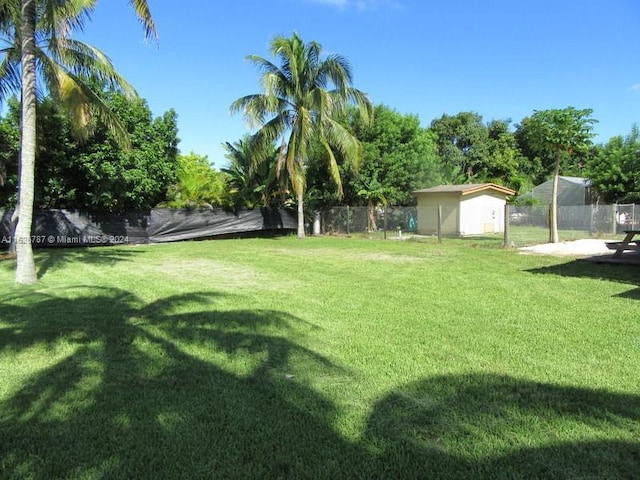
(471, 209)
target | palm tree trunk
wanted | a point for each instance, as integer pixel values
(25, 265)
(371, 222)
(553, 211)
(301, 214)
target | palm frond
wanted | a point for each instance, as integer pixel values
(9, 12)
(143, 12)
(59, 18)
(334, 171)
(264, 65)
(335, 70)
(82, 103)
(365, 107)
(270, 133)
(340, 138)
(294, 167)
(258, 108)
(85, 60)
(10, 79)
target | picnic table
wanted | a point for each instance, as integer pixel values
(627, 244)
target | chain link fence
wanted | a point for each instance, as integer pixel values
(375, 220)
(525, 225)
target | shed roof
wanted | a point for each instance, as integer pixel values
(467, 189)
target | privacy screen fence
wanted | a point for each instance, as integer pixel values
(64, 228)
(525, 224)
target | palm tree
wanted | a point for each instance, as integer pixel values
(375, 194)
(41, 48)
(253, 184)
(298, 107)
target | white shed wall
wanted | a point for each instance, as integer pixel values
(482, 213)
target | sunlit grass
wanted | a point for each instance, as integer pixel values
(323, 358)
(522, 236)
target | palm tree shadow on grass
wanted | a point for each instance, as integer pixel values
(503, 427)
(149, 391)
(140, 395)
(626, 274)
(54, 258)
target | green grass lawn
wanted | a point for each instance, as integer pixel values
(519, 236)
(324, 358)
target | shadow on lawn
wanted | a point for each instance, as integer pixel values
(132, 396)
(585, 269)
(54, 258)
(493, 422)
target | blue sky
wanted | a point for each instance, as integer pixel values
(500, 58)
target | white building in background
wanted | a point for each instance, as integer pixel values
(571, 191)
(472, 209)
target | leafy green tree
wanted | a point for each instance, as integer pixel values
(198, 185)
(462, 142)
(53, 153)
(99, 173)
(117, 178)
(55, 175)
(614, 169)
(41, 47)
(9, 147)
(505, 164)
(557, 137)
(54, 156)
(399, 155)
(297, 107)
(473, 151)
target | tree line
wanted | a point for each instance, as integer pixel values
(398, 156)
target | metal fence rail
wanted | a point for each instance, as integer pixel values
(348, 220)
(525, 224)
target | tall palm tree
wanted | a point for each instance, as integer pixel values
(302, 100)
(41, 48)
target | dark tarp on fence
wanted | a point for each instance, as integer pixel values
(172, 225)
(64, 228)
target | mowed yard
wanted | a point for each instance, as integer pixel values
(323, 358)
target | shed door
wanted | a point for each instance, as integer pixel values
(492, 221)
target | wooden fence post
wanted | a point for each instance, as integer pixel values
(385, 221)
(506, 227)
(348, 219)
(439, 223)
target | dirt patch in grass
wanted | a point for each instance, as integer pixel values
(348, 255)
(385, 257)
(577, 248)
(202, 270)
